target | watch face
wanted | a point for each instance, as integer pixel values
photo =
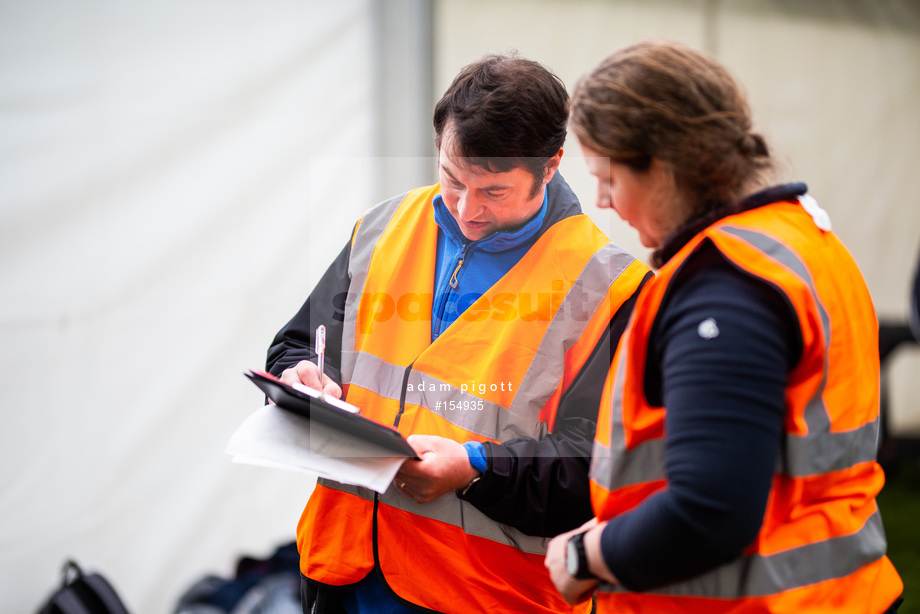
(571, 557)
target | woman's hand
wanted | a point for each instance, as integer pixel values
(572, 590)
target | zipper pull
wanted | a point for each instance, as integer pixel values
(453, 278)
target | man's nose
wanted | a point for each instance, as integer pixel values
(469, 206)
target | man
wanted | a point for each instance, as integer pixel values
(478, 316)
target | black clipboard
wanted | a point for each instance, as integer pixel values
(316, 408)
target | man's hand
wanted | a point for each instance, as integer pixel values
(572, 590)
(444, 466)
(307, 374)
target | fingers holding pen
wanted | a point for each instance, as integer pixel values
(330, 388)
(306, 373)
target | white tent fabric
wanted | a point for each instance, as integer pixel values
(175, 177)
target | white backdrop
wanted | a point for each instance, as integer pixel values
(175, 176)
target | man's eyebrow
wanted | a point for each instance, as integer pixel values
(446, 170)
(488, 188)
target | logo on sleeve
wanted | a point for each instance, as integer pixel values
(708, 329)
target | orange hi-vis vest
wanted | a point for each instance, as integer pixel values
(495, 374)
(821, 547)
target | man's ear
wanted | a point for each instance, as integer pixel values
(552, 165)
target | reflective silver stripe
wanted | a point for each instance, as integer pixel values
(615, 467)
(825, 452)
(644, 463)
(451, 510)
(370, 229)
(468, 411)
(764, 575)
(820, 451)
(584, 298)
(455, 405)
(358, 491)
(601, 470)
(376, 374)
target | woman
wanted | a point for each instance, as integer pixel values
(734, 464)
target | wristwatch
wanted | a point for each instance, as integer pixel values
(576, 559)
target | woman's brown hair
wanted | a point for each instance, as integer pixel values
(665, 100)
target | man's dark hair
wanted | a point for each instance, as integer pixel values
(507, 112)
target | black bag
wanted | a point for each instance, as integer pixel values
(83, 594)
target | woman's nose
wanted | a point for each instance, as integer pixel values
(603, 198)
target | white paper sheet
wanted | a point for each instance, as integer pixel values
(273, 437)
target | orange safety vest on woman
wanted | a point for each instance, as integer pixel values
(495, 374)
(821, 547)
